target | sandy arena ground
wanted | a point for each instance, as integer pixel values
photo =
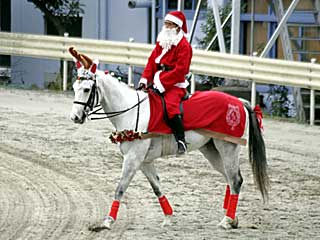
(57, 178)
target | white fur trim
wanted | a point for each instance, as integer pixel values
(157, 82)
(164, 51)
(158, 59)
(173, 19)
(184, 84)
(179, 37)
(96, 61)
(143, 80)
(246, 129)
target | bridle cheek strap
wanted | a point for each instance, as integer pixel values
(91, 100)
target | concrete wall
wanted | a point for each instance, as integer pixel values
(110, 20)
(94, 21)
(103, 19)
(123, 23)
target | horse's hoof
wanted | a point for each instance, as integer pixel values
(228, 223)
(107, 222)
(166, 221)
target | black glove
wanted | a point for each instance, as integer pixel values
(156, 90)
(142, 86)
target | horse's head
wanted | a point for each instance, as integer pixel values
(84, 87)
(84, 99)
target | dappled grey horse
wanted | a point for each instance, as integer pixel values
(129, 109)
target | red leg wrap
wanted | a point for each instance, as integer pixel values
(233, 202)
(114, 209)
(165, 205)
(226, 198)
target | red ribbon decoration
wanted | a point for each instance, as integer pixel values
(125, 135)
(78, 64)
(93, 68)
(259, 116)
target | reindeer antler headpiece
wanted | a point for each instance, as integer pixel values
(85, 60)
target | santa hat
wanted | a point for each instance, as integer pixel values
(178, 18)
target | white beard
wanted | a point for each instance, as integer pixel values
(167, 37)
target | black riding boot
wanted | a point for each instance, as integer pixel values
(176, 125)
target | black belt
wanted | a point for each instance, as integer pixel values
(163, 67)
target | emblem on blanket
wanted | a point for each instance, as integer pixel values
(125, 135)
(233, 116)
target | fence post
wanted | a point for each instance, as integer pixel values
(312, 98)
(130, 70)
(253, 85)
(65, 68)
(193, 84)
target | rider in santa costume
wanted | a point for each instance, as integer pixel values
(167, 66)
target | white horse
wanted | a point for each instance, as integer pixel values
(129, 109)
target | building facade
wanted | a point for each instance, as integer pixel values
(114, 20)
(102, 19)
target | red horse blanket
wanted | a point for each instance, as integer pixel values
(210, 110)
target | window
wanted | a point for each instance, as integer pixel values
(188, 4)
(74, 28)
(172, 4)
(5, 25)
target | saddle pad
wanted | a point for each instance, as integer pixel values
(210, 110)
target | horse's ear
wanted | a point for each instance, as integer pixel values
(74, 53)
(76, 57)
(86, 61)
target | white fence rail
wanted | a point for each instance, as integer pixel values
(240, 67)
(260, 70)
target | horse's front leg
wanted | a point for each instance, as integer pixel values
(133, 155)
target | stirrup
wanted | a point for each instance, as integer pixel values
(182, 147)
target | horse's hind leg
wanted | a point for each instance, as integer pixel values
(149, 171)
(230, 155)
(211, 153)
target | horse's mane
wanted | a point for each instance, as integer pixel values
(122, 84)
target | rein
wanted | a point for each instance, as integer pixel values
(116, 113)
(90, 104)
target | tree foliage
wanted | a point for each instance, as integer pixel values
(62, 16)
(208, 28)
(280, 104)
(61, 13)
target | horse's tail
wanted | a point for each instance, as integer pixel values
(257, 153)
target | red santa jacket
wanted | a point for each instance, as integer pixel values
(177, 59)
